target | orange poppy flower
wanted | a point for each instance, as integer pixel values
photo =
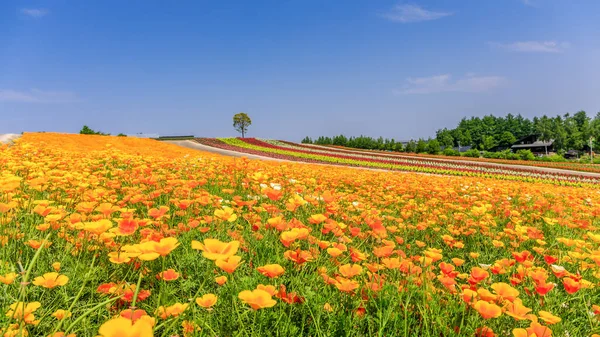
(168, 275)
(8, 278)
(517, 310)
(207, 300)
(268, 288)
(61, 314)
(478, 275)
(123, 327)
(226, 214)
(171, 311)
(538, 330)
(221, 280)
(133, 315)
(51, 280)
(571, 286)
(230, 264)
(505, 291)
(548, 317)
(346, 285)
(487, 310)
(350, 270)
(214, 249)
(271, 270)
(23, 311)
(257, 299)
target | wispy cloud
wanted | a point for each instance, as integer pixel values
(528, 3)
(34, 12)
(445, 83)
(533, 46)
(37, 96)
(406, 13)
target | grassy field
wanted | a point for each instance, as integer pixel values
(118, 236)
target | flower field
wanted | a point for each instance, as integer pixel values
(119, 236)
(392, 161)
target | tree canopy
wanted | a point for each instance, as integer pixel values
(488, 133)
(241, 122)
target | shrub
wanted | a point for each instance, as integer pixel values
(451, 152)
(526, 155)
(472, 153)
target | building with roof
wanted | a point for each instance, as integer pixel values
(534, 144)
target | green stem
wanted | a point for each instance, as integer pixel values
(137, 290)
(60, 323)
(89, 312)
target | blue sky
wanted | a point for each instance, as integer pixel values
(297, 67)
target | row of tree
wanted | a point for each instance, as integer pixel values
(488, 133)
(384, 144)
(569, 132)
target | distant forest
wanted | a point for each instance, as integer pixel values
(569, 132)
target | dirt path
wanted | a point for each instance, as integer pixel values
(198, 146)
(7, 138)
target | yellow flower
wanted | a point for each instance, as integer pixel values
(51, 280)
(22, 311)
(123, 327)
(61, 314)
(8, 278)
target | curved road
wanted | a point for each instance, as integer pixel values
(197, 146)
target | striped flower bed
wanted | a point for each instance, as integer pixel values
(296, 152)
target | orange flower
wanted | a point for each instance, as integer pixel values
(478, 275)
(548, 317)
(544, 288)
(22, 311)
(168, 275)
(221, 280)
(486, 295)
(538, 330)
(271, 270)
(61, 314)
(571, 286)
(517, 310)
(8, 278)
(268, 288)
(56, 266)
(257, 299)
(487, 310)
(334, 252)
(469, 296)
(165, 246)
(226, 214)
(207, 300)
(230, 264)
(214, 249)
(123, 327)
(133, 315)
(505, 291)
(51, 280)
(171, 311)
(350, 270)
(346, 285)
(317, 219)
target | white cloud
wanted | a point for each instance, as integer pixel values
(444, 83)
(34, 12)
(533, 46)
(37, 96)
(413, 13)
(528, 3)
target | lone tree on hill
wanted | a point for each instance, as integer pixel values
(241, 122)
(86, 130)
